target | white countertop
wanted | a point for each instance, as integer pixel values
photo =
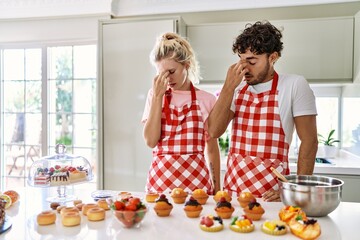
(340, 224)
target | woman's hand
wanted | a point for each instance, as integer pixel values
(272, 196)
(160, 84)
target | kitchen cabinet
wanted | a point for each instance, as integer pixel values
(350, 188)
(357, 48)
(321, 49)
(125, 76)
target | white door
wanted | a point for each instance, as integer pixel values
(125, 78)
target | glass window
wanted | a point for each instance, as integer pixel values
(70, 118)
(351, 125)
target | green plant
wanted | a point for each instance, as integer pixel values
(329, 140)
(224, 142)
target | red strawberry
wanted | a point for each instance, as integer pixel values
(57, 167)
(208, 222)
(51, 169)
(119, 205)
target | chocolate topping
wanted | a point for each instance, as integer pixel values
(223, 203)
(162, 198)
(192, 202)
(253, 204)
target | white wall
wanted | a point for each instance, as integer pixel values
(50, 30)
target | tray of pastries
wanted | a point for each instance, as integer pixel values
(59, 170)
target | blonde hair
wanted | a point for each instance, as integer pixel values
(173, 46)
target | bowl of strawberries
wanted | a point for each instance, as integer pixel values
(129, 211)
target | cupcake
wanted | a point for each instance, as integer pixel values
(200, 195)
(162, 206)
(242, 224)
(245, 198)
(289, 212)
(178, 195)
(210, 223)
(274, 227)
(254, 210)
(151, 197)
(192, 208)
(220, 194)
(224, 209)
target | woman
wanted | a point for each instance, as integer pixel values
(175, 122)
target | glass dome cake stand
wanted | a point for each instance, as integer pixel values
(60, 170)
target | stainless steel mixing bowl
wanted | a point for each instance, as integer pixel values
(316, 195)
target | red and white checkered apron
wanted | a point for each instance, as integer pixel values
(257, 143)
(178, 158)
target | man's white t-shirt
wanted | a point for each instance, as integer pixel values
(295, 97)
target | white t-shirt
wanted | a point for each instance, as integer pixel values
(295, 97)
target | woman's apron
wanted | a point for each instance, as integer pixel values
(257, 143)
(178, 158)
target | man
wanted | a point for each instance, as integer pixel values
(264, 107)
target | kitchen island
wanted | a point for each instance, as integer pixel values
(340, 224)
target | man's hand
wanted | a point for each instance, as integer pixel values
(272, 196)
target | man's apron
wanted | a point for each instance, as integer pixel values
(178, 158)
(257, 143)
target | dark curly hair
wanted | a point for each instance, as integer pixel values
(260, 37)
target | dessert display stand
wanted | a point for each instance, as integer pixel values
(60, 171)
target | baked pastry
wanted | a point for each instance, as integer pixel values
(254, 210)
(306, 229)
(211, 223)
(192, 208)
(71, 219)
(68, 209)
(289, 212)
(103, 204)
(46, 218)
(242, 224)
(58, 209)
(245, 198)
(220, 194)
(224, 209)
(274, 227)
(200, 195)
(76, 202)
(162, 206)
(151, 197)
(2, 212)
(178, 195)
(79, 206)
(54, 205)
(96, 214)
(13, 195)
(87, 206)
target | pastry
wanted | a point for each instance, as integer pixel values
(71, 219)
(242, 224)
(76, 202)
(59, 178)
(274, 227)
(87, 206)
(68, 209)
(289, 212)
(224, 209)
(76, 175)
(96, 214)
(79, 206)
(41, 178)
(178, 195)
(46, 218)
(211, 223)
(200, 195)
(192, 208)
(54, 205)
(2, 212)
(58, 209)
(254, 210)
(6, 199)
(103, 204)
(151, 197)
(306, 229)
(220, 194)
(162, 206)
(13, 195)
(245, 198)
